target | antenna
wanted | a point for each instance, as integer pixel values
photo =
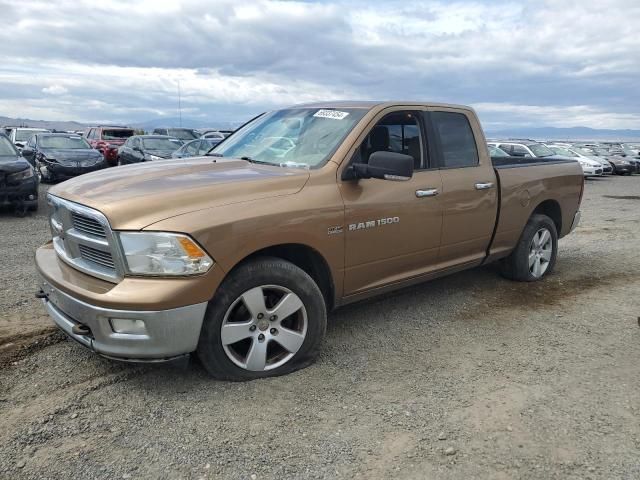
(179, 104)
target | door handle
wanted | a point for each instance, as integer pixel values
(484, 186)
(428, 192)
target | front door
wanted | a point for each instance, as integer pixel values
(392, 228)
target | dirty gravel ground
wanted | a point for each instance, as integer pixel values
(470, 376)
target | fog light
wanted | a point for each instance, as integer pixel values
(31, 197)
(128, 326)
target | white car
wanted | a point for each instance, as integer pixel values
(590, 167)
(19, 136)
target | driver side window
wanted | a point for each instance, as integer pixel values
(397, 132)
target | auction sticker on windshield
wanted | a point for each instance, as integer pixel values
(334, 114)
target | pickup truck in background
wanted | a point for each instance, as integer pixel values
(239, 255)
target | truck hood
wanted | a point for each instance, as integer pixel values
(135, 196)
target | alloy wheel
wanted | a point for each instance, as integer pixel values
(540, 252)
(264, 328)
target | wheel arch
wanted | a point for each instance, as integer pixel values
(306, 258)
(552, 209)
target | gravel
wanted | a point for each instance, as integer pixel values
(470, 376)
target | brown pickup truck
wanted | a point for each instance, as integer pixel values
(239, 255)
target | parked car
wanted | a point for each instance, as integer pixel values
(59, 156)
(184, 134)
(106, 139)
(525, 148)
(496, 152)
(239, 257)
(195, 148)
(622, 165)
(20, 135)
(146, 148)
(587, 152)
(590, 168)
(18, 182)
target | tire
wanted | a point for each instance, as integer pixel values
(519, 265)
(249, 298)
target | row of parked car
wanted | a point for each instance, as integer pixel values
(31, 155)
(596, 159)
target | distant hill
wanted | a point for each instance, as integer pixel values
(147, 125)
(572, 133)
(48, 124)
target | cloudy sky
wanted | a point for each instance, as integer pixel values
(525, 63)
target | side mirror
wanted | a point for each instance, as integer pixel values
(27, 152)
(385, 166)
(137, 149)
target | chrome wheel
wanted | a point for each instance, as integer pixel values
(264, 328)
(540, 252)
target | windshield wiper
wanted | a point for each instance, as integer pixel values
(253, 160)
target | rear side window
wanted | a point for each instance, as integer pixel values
(457, 143)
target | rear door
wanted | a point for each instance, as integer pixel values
(469, 187)
(392, 228)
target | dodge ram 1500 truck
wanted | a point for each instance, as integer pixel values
(239, 255)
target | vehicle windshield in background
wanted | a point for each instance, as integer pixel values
(181, 133)
(116, 134)
(63, 142)
(7, 148)
(23, 135)
(541, 150)
(161, 143)
(563, 151)
(496, 152)
(298, 137)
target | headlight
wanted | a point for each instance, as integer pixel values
(155, 157)
(23, 175)
(584, 164)
(159, 253)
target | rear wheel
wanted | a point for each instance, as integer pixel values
(268, 318)
(535, 254)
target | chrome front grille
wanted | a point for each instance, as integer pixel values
(88, 225)
(99, 257)
(82, 238)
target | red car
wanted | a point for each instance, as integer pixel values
(107, 139)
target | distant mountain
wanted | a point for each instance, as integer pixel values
(48, 124)
(185, 122)
(571, 133)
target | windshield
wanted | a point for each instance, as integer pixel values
(116, 134)
(540, 150)
(7, 148)
(63, 142)
(496, 152)
(298, 137)
(161, 143)
(23, 135)
(182, 133)
(563, 151)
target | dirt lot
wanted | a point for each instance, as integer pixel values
(471, 376)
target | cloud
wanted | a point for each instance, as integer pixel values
(55, 90)
(239, 58)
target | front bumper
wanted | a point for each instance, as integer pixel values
(167, 333)
(24, 193)
(60, 171)
(591, 171)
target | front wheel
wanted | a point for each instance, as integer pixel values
(535, 254)
(268, 318)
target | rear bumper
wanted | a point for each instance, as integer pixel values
(166, 333)
(576, 221)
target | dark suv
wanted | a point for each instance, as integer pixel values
(107, 139)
